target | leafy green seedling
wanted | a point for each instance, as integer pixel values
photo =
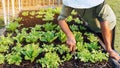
(18, 19)
(12, 26)
(49, 26)
(5, 42)
(51, 60)
(78, 36)
(48, 16)
(48, 36)
(61, 36)
(31, 51)
(69, 18)
(77, 20)
(2, 59)
(25, 13)
(32, 13)
(73, 12)
(74, 27)
(13, 59)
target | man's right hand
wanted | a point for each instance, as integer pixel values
(71, 42)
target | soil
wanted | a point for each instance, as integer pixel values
(28, 21)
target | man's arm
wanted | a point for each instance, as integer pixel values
(107, 36)
(66, 11)
(71, 42)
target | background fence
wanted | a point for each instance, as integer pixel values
(10, 8)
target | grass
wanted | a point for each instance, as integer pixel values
(115, 6)
(1, 22)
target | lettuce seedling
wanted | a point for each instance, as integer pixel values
(69, 18)
(32, 13)
(5, 42)
(51, 60)
(18, 19)
(25, 13)
(82, 28)
(57, 10)
(62, 49)
(49, 26)
(21, 36)
(74, 27)
(92, 37)
(49, 48)
(2, 59)
(48, 16)
(77, 20)
(61, 36)
(13, 58)
(73, 12)
(33, 36)
(12, 26)
(31, 51)
(78, 36)
(48, 36)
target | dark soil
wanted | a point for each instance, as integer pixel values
(29, 21)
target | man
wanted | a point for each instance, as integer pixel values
(99, 16)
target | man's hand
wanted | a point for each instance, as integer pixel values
(71, 42)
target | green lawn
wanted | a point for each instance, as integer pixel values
(1, 22)
(116, 8)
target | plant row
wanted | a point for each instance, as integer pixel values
(45, 44)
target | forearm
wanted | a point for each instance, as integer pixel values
(65, 28)
(107, 35)
(71, 42)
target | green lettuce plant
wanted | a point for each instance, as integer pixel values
(91, 37)
(21, 35)
(33, 36)
(50, 60)
(25, 13)
(12, 26)
(81, 28)
(18, 19)
(48, 36)
(77, 20)
(57, 10)
(17, 49)
(38, 27)
(32, 13)
(2, 58)
(64, 52)
(73, 12)
(74, 27)
(49, 48)
(49, 26)
(62, 49)
(61, 36)
(31, 51)
(5, 42)
(48, 16)
(41, 11)
(69, 18)
(78, 36)
(13, 58)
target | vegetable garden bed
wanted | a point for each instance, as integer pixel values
(40, 43)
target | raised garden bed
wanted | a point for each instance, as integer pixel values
(40, 43)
